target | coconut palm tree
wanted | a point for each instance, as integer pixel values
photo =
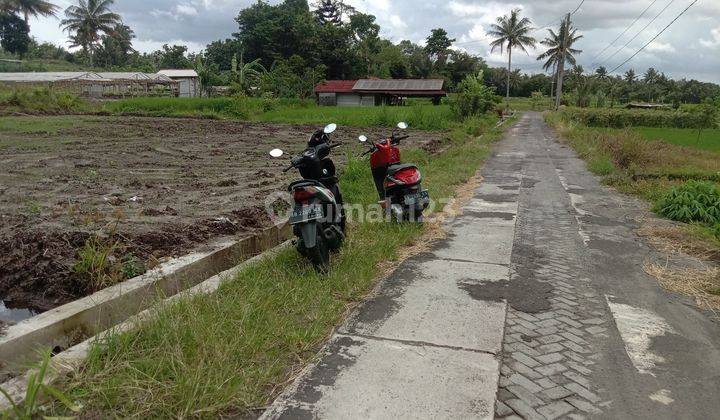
(510, 32)
(29, 8)
(630, 76)
(559, 52)
(87, 21)
(601, 73)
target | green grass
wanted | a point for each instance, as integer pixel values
(527, 104)
(178, 107)
(708, 139)
(419, 116)
(34, 125)
(233, 350)
(423, 117)
(43, 101)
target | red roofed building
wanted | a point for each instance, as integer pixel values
(371, 92)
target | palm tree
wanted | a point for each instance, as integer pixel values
(29, 8)
(601, 73)
(630, 76)
(88, 20)
(559, 52)
(509, 32)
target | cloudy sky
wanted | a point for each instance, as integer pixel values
(689, 48)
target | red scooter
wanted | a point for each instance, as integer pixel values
(399, 185)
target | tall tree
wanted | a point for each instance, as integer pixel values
(437, 46)
(116, 47)
(172, 57)
(511, 32)
(560, 51)
(29, 8)
(14, 36)
(329, 11)
(87, 21)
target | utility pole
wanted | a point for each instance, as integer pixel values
(565, 34)
(553, 77)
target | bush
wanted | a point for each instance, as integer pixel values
(474, 98)
(623, 118)
(693, 201)
(42, 101)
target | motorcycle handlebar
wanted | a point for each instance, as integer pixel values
(401, 137)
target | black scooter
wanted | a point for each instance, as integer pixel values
(318, 217)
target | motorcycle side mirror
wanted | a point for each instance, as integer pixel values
(276, 153)
(330, 129)
(363, 139)
(402, 125)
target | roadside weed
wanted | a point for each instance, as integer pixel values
(37, 389)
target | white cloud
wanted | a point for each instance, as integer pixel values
(186, 9)
(715, 41)
(657, 46)
(397, 22)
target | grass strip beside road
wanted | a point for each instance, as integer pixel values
(633, 164)
(232, 351)
(708, 139)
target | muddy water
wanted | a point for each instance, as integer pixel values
(13, 316)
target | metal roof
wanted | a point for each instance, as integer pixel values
(405, 85)
(49, 76)
(335, 86)
(179, 73)
(125, 76)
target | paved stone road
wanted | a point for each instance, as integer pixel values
(588, 333)
(535, 304)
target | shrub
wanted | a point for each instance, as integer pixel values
(693, 201)
(536, 99)
(601, 165)
(42, 101)
(622, 118)
(474, 98)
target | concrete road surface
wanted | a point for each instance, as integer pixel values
(535, 306)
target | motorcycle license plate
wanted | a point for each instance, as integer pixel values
(421, 197)
(306, 213)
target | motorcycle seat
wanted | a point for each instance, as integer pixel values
(393, 169)
(305, 183)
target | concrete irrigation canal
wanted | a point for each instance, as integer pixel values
(535, 306)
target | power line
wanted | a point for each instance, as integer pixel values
(625, 31)
(577, 8)
(654, 38)
(638, 34)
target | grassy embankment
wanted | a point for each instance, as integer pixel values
(40, 102)
(233, 350)
(420, 116)
(292, 111)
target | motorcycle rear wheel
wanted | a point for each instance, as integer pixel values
(319, 255)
